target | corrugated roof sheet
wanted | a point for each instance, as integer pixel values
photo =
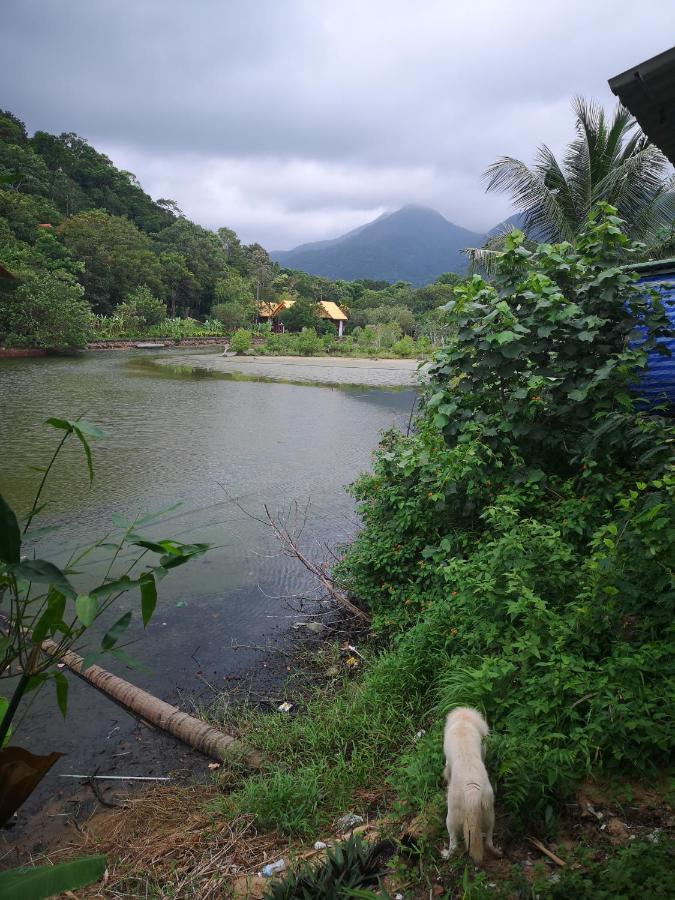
(648, 92)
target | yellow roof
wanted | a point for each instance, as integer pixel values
(266, 309)
(327, 309)
(330, 310)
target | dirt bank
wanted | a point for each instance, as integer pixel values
(165, 342)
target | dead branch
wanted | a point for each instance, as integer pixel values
(289, 546)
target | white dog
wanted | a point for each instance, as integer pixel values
(470, 795)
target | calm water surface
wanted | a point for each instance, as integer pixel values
(202, 443)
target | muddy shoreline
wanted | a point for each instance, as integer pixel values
(53, 818)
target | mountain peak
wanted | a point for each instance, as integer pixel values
(413, 243)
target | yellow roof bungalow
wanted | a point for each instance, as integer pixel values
(326, 309)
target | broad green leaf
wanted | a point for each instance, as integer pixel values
(129, 661)
(86, 608)
(87, 453)
(505, 337)
(52, 616)
(150, 545)
(39, 882)
(34, 682)
(116, 632)
(61, 683)
(114, 587)
(10, 535)
(148, 597)
(89, 660)
(63, 424)
(43, 572)
(186, 553)
(91, 430)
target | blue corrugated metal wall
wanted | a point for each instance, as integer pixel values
(657, 383)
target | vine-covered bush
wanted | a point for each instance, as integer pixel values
(516, 552)
(521, 541)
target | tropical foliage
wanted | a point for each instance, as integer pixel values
(610, 160)
(516, 556)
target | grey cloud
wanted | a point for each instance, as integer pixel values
(288, 120)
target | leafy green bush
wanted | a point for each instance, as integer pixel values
(231, 315)
(405, 347)
(516, 552)
(241, 341)
(302, 314)
(274, 343)
(148, 308)
(46, 310)
(308, 343)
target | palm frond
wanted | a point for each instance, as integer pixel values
(543, 214)
(482, 259)
(633, 184)
(656, 216)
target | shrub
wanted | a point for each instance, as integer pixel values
(516, 554)
(46, 310)
(301, 315)
(326, 327)
(231, 315)
(145, 306)
(241, 341)
(308, 343)
(405, 347)
(274, 343)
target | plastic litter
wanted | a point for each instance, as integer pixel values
(272, 868)
(285, 706)
(319, 845)
(314, 627)
(349, 821)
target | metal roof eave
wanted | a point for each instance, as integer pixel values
(648, 92)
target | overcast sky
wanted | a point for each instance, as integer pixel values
(296, 120)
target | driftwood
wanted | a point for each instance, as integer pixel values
(193, 732)
(289, 546)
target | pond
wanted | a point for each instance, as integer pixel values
(212, 446)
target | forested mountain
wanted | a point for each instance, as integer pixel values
(81, 236)
(90, 254)
(414, 244)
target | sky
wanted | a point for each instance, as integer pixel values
(297, 120)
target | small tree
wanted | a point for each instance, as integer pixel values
(143, 304)
(46, 310)
(301, 315)
(231, 315)
(241, 341)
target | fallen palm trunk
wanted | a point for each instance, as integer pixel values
(186, 728)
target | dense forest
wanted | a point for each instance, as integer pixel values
(85, 252)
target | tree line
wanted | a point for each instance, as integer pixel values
(80, 239)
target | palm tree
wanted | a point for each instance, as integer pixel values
(609, 160)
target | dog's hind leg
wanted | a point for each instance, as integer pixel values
(489, 820)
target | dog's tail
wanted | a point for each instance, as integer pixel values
(473, 823)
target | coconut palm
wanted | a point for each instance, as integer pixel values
(609, 160)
